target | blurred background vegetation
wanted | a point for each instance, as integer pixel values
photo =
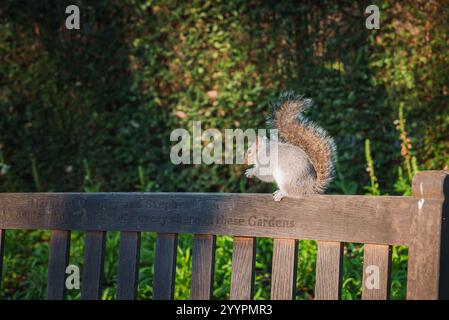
(92, 110)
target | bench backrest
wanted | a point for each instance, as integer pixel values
(419, 222)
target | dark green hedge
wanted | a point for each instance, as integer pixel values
(92, 109)
(109, 95)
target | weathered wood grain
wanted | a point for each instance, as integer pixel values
(329, 270)
(243, 261)
(128, 266)
(2, 247)
(364, 219)
(165, 266)
(428, 264)
(376, 272)
(57, 264)
(284, 265)
(91, 287)
(203, 265)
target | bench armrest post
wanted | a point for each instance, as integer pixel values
(428, 266)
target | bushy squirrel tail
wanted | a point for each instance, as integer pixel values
(287, 117)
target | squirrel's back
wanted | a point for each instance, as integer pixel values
(293, 128)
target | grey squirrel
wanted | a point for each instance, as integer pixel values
(305, 152)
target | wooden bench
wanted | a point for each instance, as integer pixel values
(419, 222)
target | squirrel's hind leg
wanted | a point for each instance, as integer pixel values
(290, 189)
(278, 195)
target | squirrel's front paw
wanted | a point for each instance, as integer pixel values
(249, 173)
(278, 195)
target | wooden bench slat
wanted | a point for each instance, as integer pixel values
(360, 219)
(91, 288)
(243, 261)
(203, 265)
(2, 248)
(57, 264)
(329, 270)
(165, 266)
(376, 272)
(283, 277)
(128, 266)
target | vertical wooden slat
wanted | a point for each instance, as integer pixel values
(93, 265)
(283, 277)
(57, 264)
(243, 260)
(428, 263)
(2, 247)
(203, 264)
(376, 272)
(329, 270)
(128, 268)
(165, 266)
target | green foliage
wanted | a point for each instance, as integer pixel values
(409, 162)
(374, 187)
(89, 185)
(92, 110)
(35, 173)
